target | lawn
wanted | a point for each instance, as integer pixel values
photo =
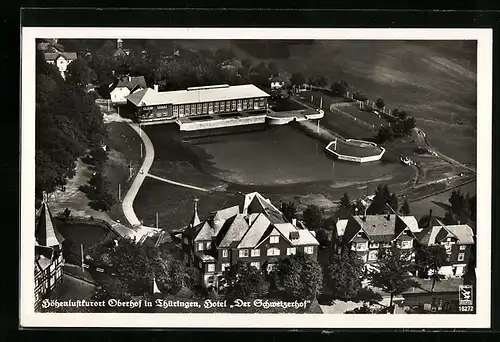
(285, 105)
(363, 115)
(346, 127)
(174, 204)
(438, 203)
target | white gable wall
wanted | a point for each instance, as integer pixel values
(119, 93)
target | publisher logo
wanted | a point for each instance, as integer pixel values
(465, 295)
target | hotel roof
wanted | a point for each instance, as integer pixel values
(150, 97)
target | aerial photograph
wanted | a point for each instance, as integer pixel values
(255, 176)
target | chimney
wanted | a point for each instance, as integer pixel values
(294, 221)
(155, 87)
(129, 78)
(430, 219)
(459, 222)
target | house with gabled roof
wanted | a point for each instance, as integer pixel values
(278, 82)
(458, 241)
(120, 51)
(368, 235)
(254, 231)
(124, 86)
(49, 259)
(61, 60)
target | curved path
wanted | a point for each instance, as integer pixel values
(149, 155)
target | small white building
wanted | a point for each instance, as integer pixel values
(125, 86)
(277, 82)
(61, 60)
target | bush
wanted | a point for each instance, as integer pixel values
(65, 215)
(359, 96)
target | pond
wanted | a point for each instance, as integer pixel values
(283, 155)
(76, 234)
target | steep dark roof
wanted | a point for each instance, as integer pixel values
(377, 227)
(431, 236)
(45, 232)
(130, 83)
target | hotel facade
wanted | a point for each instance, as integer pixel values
(150, 105)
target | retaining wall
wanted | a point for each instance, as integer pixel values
(220, 123)
(353, 158)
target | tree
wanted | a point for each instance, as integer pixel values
(273, 68)
(289, 210)
(379, 103)
(449, 218)
(300, 276)
(323, 237)
(345, 274)
(132, 267)
(339, 88)
(322, 81)
(244, 282)
(393, 275)
(400, 114)
(382, 198)
(472, 208)
(78, 73)
(432, 258)
(313, 216)
(222, 55)
(345, 206)
(359, 96)
(393, 201)
(405, 208)
(459, 203)
(297, 79)
(409, 124)
(385, 133)
(135, 266)
(67, 122)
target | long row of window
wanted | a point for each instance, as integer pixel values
(364, 246)
(243, 253)
(224, 266)
(218, 107)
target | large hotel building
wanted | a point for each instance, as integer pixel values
(150, 105)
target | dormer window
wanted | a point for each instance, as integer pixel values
(224, 253)
(201, 246)
(274, 239)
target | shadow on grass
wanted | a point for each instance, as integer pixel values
(443, 205)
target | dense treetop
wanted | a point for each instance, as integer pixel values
(67, 124)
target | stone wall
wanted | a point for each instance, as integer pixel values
(219, 123)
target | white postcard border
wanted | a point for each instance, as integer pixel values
(28, 318)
